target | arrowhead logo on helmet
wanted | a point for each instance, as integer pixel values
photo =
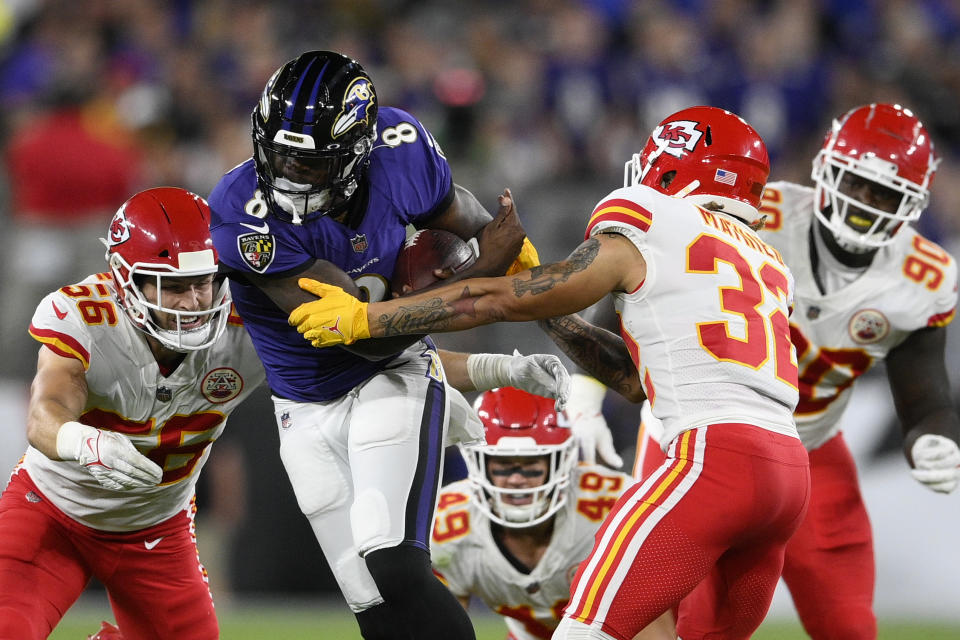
(161, 233)
(887, 149)
(119, 229)
(707, 155)
(677, 138)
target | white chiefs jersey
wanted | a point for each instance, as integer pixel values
(708, 327)
(466, 557)
(910, 284)
(171, 419)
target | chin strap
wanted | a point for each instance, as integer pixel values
(683, 193)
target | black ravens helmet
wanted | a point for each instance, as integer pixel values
(313, 131)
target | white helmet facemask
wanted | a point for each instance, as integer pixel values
(194, 330)
(857, 226)
(545, 499)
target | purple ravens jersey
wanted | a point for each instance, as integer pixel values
(408, 182)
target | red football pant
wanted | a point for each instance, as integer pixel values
(649, 455)
(829, 566)
(719, 511)
(47, 559)
(829, 562)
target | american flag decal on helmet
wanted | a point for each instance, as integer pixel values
(725, 177)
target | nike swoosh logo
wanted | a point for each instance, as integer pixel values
(60, 314)
(264, 228)
(150, 544)
(93, 449)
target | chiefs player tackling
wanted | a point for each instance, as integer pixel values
(139, 369)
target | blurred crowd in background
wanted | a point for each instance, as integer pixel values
(101, 98)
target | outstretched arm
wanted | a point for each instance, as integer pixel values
(601, 264)
(285, 293)
(921, 394)
(500, 241)
(540, 292)
(541, 374)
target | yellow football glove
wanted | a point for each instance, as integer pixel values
(526, 259)
(336, 318)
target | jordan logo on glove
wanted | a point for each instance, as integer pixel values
(335, 327)
(335, 317)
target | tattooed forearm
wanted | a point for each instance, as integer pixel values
(436, 315)
(597, 351)
(431, 315)
(546, 277)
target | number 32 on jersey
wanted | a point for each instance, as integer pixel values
(753, 350)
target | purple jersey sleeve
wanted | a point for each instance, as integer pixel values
(421, 182)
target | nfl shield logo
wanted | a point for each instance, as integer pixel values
(359, 243)
(256, 249)
(164, 394)
(285, 420)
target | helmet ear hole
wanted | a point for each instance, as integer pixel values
(708, 137)
(667, 178)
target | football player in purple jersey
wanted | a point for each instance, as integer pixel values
(334, 182)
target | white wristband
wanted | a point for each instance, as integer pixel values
(586, 395)
(488, 370)
(69, 439)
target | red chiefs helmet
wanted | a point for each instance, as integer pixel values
(705, 154)
(164, 233)
(880, 143)
(520, 424)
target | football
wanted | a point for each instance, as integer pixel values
(425, 251)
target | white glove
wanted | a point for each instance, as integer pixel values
(585, 410)
(540, 374)
(109, 456)
(935, 461)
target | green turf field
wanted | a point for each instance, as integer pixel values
(329, 622)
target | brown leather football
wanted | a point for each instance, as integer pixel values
(425, 251)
